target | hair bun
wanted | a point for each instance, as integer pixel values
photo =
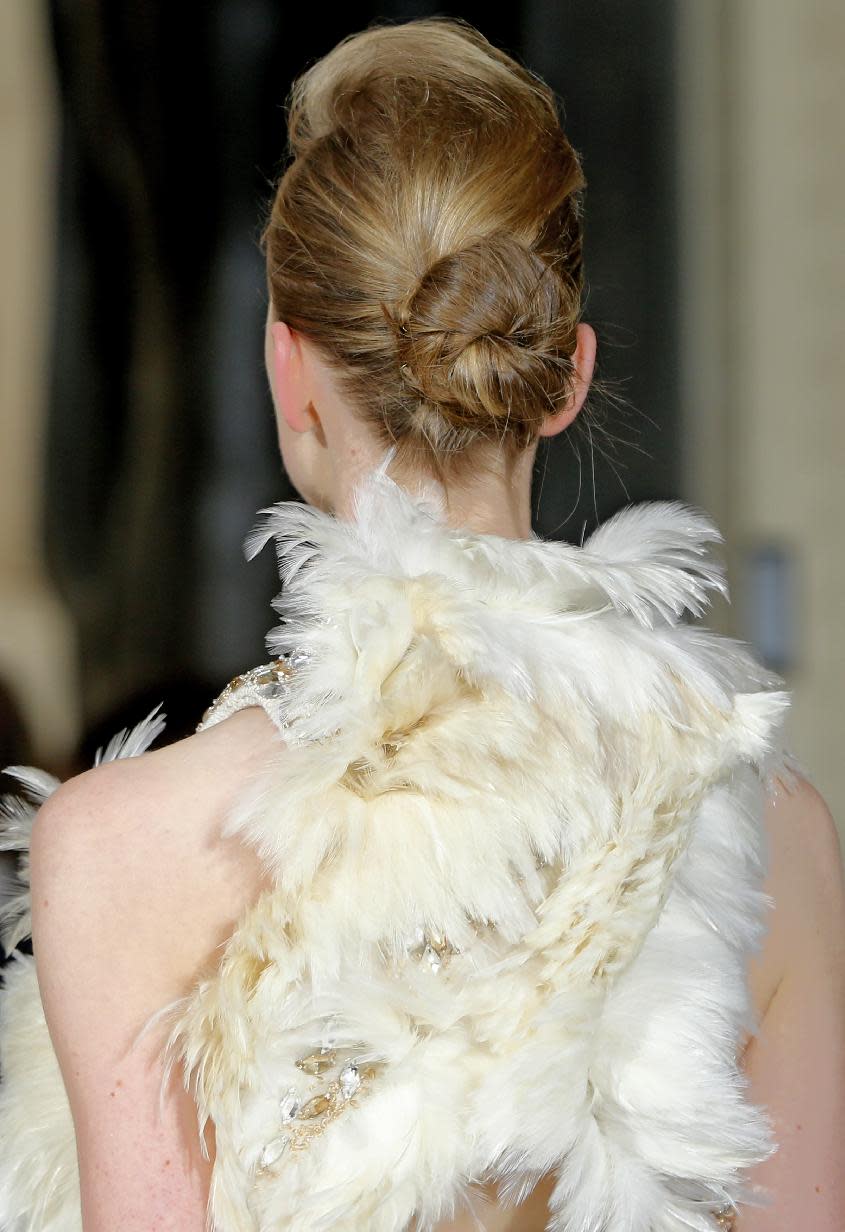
(426, 237)
(487, 335)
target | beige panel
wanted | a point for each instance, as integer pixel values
(764, 266)
(36, 641)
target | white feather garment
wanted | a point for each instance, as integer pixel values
(517, 854)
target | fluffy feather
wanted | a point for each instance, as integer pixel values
(518, 746)
(514, 833)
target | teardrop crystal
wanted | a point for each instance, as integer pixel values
(273, 1151)
(350, 1079)
(317, 1063)
(432, 958)
(315, 1107)
(289, 1106)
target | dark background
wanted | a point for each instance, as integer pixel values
(161, 443)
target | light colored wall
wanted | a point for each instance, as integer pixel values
(762, 97)
(36, 639)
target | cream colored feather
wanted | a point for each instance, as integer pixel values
(517, 855)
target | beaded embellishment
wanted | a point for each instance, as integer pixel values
(263, 686)
(432, 948)
(303, 1117)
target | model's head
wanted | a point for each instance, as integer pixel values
(424, 262)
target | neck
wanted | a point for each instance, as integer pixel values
(494, 500)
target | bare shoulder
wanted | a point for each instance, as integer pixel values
(806, 885)
(134, 891)
(803, 836)
(140, 837)
(795, 1063)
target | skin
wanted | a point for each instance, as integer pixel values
(325, 448)
(110, 847)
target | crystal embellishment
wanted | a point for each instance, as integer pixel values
(315, 1107)
(317, 1063)
(431, 947)
(303, 1119)
(433, 959)
(350, 1079)
(289, 1106)
(273, 1151)
(269, 681)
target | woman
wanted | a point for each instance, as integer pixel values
(451, 913)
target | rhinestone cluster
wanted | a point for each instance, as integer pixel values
(432, 948)
(726, 1218)
(267, 683)
(270, 680)
(303, 1118)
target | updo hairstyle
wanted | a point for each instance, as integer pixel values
(426, 236)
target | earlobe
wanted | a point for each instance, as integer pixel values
(584, 361)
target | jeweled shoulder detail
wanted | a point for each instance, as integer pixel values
(265, 685)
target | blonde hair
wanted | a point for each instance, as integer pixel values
(427, 237)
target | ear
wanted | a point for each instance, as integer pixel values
(584, 362)
(283, 355)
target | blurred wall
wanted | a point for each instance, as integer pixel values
(38, 663)
(160, 444)
(758, 297)
(762, 104)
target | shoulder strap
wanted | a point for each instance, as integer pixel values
(265, 686)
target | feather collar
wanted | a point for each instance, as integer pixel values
(356, 593)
